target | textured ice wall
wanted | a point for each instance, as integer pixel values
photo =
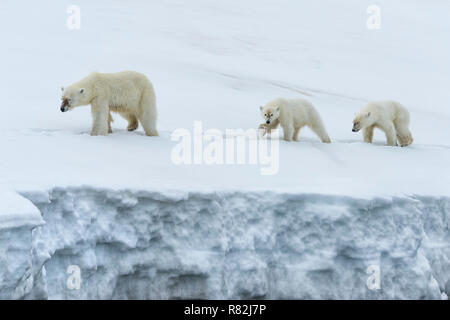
(18, 216)
(225, 245)
(139, 245)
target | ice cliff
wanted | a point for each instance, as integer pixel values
(148, 245)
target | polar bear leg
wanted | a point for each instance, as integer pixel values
(320, 131)
(133, 122)
(110, 119)
(148, 122)
(404, 136)
(368, 134)
(389, 131)
(100, 116)
(147, 115)
(288, 132)
(296, 131)
(262, 129)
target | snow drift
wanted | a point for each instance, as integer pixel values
(148, 245)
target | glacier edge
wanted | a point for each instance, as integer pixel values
(231, 245)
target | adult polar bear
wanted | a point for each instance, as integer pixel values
(128, 93)
(390, 117)
(292, 115)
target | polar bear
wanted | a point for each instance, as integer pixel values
(128, 93)
(388, 116)
(292, 115)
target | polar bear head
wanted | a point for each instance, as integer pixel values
(362, 120)
(74, 96)
(270, 113)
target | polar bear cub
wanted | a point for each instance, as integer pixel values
(292, 115)
(390, 117)
(128, 93)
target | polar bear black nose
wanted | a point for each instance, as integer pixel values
(268, 122)
(64, 105)
(354, 130)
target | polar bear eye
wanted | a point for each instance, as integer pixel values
(271, 115)
(265, 115)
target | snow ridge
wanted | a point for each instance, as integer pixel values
(232, 245)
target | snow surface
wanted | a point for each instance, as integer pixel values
(217, 62)
(16, 211)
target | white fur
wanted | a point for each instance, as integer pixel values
(390, 117)
(128, 93)
(292, 115)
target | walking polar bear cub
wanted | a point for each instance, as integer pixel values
(292, 115)
(128, 93)
(388, 116)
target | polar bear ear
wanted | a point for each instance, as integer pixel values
(368, 114)
(62, 89)
(81, 90)
(278, 108)
(260, 108)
